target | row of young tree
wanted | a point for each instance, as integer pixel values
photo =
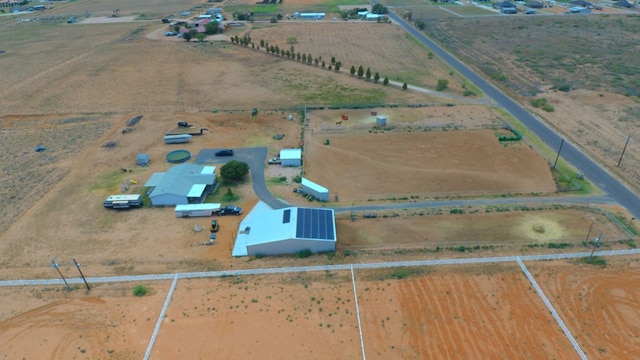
(308, 58)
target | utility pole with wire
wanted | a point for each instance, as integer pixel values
(81, 274)
(57, 267)
(596, 241)
(623, 150)
(557, 156)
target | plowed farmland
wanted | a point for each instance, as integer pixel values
(598, 304)
(470, 313)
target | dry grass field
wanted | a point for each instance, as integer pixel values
(72, 89)
(599, 110)
(326, 40)
(433, 152)
(473, 229)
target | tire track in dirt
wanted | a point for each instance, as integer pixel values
(67, 328)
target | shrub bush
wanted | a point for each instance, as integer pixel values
(140, 290)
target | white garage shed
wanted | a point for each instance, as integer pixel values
(265, 231)
(291, 157)
(318, 191)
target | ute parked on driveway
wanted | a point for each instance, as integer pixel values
(228, 210)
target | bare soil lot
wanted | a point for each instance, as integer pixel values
(108, 323)
(418, 157)
(475, 311)
(301, 316)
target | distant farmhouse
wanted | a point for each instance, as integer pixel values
(535, 4)
(506, 7)
(12, 3)
(181, 184)
(623, 4)
(285, 231)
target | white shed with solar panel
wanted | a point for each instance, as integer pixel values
(265, 231)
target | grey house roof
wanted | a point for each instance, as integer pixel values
(181, 180)
(501, 4)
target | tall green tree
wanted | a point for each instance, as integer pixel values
(338, 65)
(212, 28)
(368, 74)
(376, 77)
(404, 86)
(190, 34)
(234, 170)
(360, 71)
(353, 70)
(379, 9)
(385, 81)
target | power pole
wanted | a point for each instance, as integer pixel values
(557, 156)
(623, 150)
(589, 233)
(55, 266)
(81, 274)
(595, 244)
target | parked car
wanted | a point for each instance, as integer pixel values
(170, 33)
(214, 226)
(274, 161)
(228, 210)
(530, 11)
(166, 21)
(225, 152)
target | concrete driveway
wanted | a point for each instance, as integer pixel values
(256, 158)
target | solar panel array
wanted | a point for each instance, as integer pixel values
(315, 224)
(286, 216)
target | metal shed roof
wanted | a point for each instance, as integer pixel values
(263, 225)
(290, 154)
(311, 185)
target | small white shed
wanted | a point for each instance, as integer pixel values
(319, 192)
(291, 157)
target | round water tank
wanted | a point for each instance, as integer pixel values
(178, 156)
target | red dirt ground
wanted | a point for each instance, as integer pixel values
(599, 305)
(456, 312)
(470, 312)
